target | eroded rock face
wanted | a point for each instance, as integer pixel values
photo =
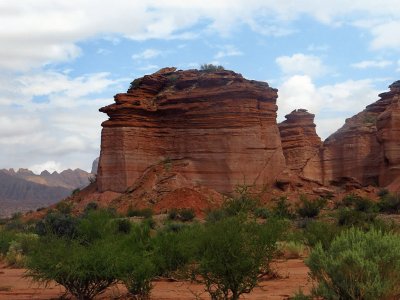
(221, 126)
(366, 147)
(388, 126)
(301, 145)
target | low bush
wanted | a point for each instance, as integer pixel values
(232, 253)
(357, 265)
(389, 203)
(310, 208)
(262, 212)
(183, 214)
(6, 237)
(291, 249)
(145, 213)
(84, 271)
(353, 218)
(211, 68)
(58, 224)
(317, 232)
(359, 203)
(282, 209)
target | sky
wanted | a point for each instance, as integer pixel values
(61, 60)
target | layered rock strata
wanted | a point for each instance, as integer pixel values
(301, 145)
(366, 148)
(220, 127)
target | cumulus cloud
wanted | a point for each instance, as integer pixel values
(301, 64)
(327, 102)
(365, 64)
(36, 32)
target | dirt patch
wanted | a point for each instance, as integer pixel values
(293, 275)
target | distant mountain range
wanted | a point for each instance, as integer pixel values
(23, 190)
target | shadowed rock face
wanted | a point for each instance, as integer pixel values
(367, 146)
(220, 127)
(301, 145)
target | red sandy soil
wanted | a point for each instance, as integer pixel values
(292, 273)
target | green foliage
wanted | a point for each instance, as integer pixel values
(145, 212)
(262, 212)
(291, 249)
(6, 237)
(359, 203)
(64, 207)
(58, 224)
(349, 217)
(124, 226)
(310, 208)
(21, 245)
(300, 296)
(317, 232)
(183, 214)
(85, 271)
(231, 254)
(357, 265)
(389, 203)
(89, 207)
(135, 262)
(211, 68)
(282, 209)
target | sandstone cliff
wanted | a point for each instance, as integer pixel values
(217, 126)
(366, 148)
(301, 145)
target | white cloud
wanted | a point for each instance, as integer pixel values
(344, 98)
(146, 54)
(149, 68)
(50, 166)
(301, 64)
(372, 64)
(227, 50)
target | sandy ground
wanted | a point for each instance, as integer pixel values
(293, 276)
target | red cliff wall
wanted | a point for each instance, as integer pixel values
(220, 127)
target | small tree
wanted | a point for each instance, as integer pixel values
(310, 208)
(357, 265)
(232, 253)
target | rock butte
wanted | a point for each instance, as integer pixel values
(193, 131)
(220, 127)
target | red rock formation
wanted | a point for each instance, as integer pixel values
(301, 145)
(220, 127)
(364, 149)
(388, 125)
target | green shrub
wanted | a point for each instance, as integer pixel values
(231, 254)
(173, 250)
(357, 265)
(183, 214)
(310, 208)
(262, 212)
(124, 226)
(64, 207)
(6, 237)
(282, 209)
(145, 212)
(211, 68)
(135, 262)
(58, 224)
(389, 203)
(322, 233)
(291, 249)
(216, 215)
(85, 271)
(89, 207)
(349, 217)
(359, 203)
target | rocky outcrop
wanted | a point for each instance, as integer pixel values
(388, 126)
(365, 149)
(220, 127)
(301, 145)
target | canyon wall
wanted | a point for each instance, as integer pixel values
(216, 129)
(219, 127)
